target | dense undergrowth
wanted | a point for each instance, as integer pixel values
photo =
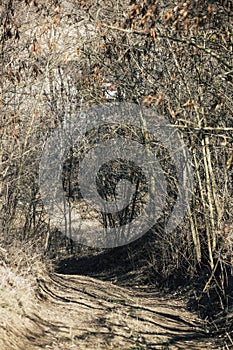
(61, 57)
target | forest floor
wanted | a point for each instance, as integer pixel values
(82, 312)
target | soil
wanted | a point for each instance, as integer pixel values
(82, 312)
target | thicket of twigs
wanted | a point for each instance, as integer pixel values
(59, 57)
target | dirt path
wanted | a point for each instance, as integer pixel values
(76, 312)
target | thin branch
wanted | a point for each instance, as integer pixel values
(163, 36)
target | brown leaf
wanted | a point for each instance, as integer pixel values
(153, 34)
(52, 46)
(99, 25)
(168, 15)
(35, 46)
(56, 19)
(148, 99)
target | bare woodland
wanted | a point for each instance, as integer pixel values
(61, 57)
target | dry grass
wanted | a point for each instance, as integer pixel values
(20, 268)
(16, 299)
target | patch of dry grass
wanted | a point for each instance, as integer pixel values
(20, 268)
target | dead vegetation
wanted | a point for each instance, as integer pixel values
(59, 58)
